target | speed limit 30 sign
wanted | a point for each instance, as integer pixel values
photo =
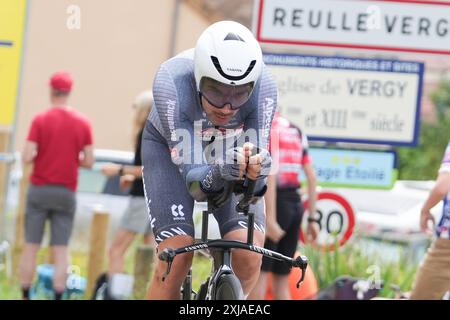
(335, 218)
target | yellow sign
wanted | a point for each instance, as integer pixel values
(12, 24)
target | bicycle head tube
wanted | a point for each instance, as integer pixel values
(244, 204)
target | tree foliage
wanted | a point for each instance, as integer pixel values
(423, 161)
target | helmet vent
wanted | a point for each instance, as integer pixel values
(219, 69)
(233, 36)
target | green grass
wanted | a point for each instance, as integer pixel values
(352, 260)
(10, 287)
(201, 269)
(349, 260)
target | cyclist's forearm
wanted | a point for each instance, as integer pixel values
(202, 180)
(260, 187)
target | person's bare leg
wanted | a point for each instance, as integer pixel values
(246, 264)
(61, 262)
(149, 239)
(260, 289)
(28, 264)
(170, 288)
(280, 285)
(121, 242)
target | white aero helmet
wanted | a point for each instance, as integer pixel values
(227, 52)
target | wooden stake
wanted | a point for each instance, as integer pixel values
(97, 248)
(143, 267)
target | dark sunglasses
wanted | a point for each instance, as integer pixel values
(220, 94)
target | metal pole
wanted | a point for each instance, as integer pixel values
(205, 215)
(250, 227)
(6, 160)
(12, 136)
(173, 37)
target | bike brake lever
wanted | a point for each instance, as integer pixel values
(167, 255)
(302, 263)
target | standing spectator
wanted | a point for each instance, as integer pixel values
(135, 219)
(433, 278)
(284, 209)
(59, 141)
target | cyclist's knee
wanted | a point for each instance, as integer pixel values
(178, 272)
(181, 263)
(246, 264)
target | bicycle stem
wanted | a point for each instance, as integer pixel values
(250, 227)
(244, 204)
(205, 215)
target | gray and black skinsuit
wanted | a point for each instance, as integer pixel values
(180, 149)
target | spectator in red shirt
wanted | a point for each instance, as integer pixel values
(59, 141)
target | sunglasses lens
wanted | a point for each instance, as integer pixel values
(220, 94)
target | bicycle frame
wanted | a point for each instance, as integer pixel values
(221, 253)
(222, 258)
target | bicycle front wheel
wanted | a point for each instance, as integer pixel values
(229, 288)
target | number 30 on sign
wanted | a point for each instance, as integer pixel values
(335, 218)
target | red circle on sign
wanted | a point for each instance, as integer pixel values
(350, 214)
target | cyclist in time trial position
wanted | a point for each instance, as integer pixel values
(208, 101)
